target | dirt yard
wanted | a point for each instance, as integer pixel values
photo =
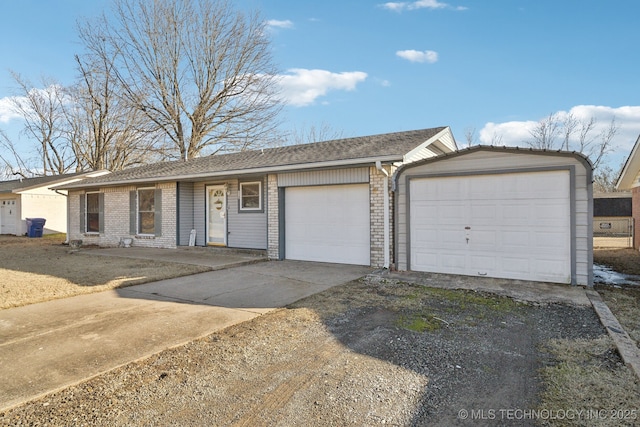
(36, 270)
(371, 352)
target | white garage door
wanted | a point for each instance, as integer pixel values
(328, 223)
(514, 226)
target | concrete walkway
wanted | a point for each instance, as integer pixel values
(52, 345)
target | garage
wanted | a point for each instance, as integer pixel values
(514, 226)
(497, 212)
(328, 223)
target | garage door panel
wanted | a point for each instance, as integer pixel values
(328, 223)
(518, 224)
(453, 261)
(516, 267)
(483, 263)
(426, 258)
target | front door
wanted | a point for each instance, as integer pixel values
(8, 217)
(216, 215)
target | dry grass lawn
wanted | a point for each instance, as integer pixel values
(36, 270)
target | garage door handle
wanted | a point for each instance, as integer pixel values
(481, 274)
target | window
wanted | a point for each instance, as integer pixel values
(250, 196)
(146, 211)
(93, 213)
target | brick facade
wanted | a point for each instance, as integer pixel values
(116, 219)
(273, 226)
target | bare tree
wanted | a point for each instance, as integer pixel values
(605, 177)
(598, 148)
(313, 133)
(569, 125)
(577, 135)
(43, 117)
(106, 132)
(470, 136)
(12, 161)
(199, 70)
(544, 135)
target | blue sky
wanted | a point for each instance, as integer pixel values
(367, 67)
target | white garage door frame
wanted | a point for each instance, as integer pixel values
(502, 172)
(318, 233)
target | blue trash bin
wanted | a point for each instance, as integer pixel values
(35, 226)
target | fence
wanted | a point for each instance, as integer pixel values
(611, 232)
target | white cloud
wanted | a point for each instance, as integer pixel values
(429, 56)
(7, 110)
(419, 4)
(274, 23)
(302, 87)
(627, 119)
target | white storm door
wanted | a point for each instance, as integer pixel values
(217, 215)
(8, 216)
(328, 223)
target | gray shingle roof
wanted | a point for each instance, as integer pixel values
(375, 146)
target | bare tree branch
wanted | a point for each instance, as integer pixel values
(313, 133)
(106, 131)
(545, 133)
(470, 136)
(43, 117)
(200, 71)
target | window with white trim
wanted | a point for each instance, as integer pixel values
(251, 196)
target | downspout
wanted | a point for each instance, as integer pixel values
(66, 240)
(386, 213)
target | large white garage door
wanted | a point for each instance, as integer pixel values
(514, 226)
(328, 223)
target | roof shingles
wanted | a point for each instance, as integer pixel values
(385, 145)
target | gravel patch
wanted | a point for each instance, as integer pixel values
(372, 352)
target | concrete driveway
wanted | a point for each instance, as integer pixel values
(48, 346)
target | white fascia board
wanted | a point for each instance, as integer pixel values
(447, 144)
(627, 178)
(62, 182)
(251, 171)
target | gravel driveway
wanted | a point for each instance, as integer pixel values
(370, 352)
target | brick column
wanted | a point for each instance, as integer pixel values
(376, 206)
(273, 229)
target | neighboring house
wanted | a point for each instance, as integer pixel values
(333, 202)
(613, 219)
(36, 198)
(497, 212)
(629, 180)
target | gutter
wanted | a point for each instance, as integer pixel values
(386, 213)
(260, 170)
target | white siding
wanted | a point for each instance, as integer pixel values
(503, 161)
(324, 177)
(185, 212)
(247, 230)
(43, 203)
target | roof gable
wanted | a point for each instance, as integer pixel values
(490, 148)
(630, 170)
